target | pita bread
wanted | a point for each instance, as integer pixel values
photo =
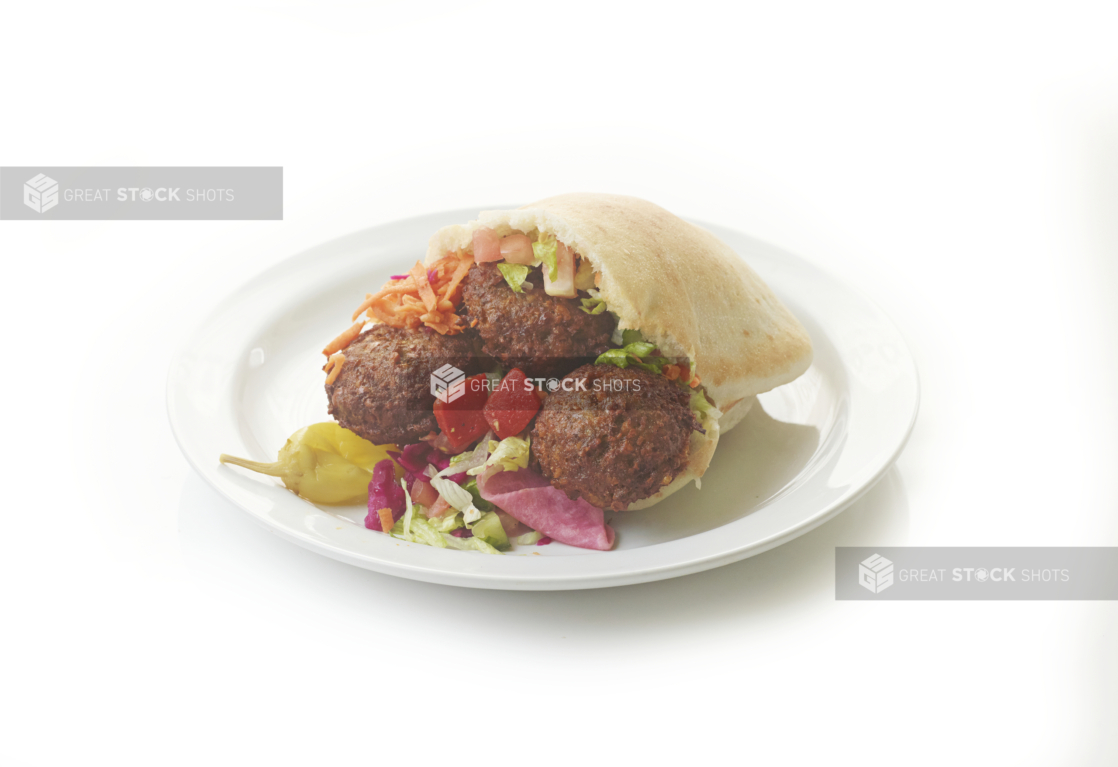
(684, 289)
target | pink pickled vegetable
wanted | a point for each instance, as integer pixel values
(438, 459)
(532, 500)
(423, 493)
(438, 508)
(384, 493)
(517, 249)
(513, 527)
(409, 479)
(487, 246)
(414, 457)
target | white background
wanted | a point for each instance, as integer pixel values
(957, 162)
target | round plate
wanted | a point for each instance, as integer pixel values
(251, 376)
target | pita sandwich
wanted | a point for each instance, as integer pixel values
(685, 290)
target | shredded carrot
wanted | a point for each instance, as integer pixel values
(334, 367)
(419, 274)
(671, 371)
(344, 340)
(401, 287)
(464, 264)
(695, 382)
(381, 313)
(386, 521)
(426, 296)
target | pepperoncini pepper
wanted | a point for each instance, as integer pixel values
(324, 463)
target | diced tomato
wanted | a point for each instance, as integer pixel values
(685, 371)
(564, 283)
(517, 249)
(462, 420)
(487, 246)
(512, 406)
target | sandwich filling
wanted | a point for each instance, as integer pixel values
(587, 416)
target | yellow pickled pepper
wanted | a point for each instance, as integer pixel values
(324, 463)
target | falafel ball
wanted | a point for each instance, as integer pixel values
(617, 437)
(384, 390)
(545, 336)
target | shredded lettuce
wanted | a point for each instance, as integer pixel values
(593, 305)
(701, 405)
(447, 522)
(479, 502)
(544, 249)
(418, 530)
(631, 337)
(510, 454)
(430, 533)
(493, 445)
(458, 497)
(470, 544)
(634, 352)
(618, 357)
(414, 527)
(639, 348)
(465, 461)
(653, 364)
(490, 530)
(424, 532)
(515, 274)
(529, 539)
(410, 509)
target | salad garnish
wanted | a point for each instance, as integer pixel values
(323, 463)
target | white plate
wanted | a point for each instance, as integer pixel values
(251, 376)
